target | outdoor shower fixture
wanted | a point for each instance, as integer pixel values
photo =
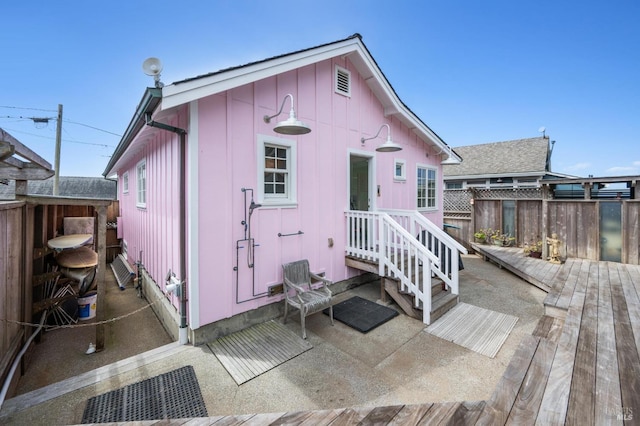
(389, 145)
(291, 126)
(451, 160)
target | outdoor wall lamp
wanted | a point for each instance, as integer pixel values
(291, 126)
(451, 160)
(389, 145)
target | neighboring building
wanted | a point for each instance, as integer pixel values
(256, 199)
(522, 163)
(68, 187)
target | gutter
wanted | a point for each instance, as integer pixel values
(183, 337)
(150, 100)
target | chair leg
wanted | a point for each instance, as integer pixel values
(331, 313)
(284, 319)
(304, 330)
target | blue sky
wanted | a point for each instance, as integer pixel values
(475, 72)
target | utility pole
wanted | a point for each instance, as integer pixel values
(56, 176)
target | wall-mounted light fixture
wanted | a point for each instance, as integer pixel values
(389, 145)
(291, 126)
(451, 160)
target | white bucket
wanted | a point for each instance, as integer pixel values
(87, 306)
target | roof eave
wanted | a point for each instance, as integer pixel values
(186, 91)
(150, 100)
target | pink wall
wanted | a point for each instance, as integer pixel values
(154, 230)
(228, 127)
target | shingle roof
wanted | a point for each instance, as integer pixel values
(70, 187)
(508, 157)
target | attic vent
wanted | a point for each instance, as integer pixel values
(343, 81)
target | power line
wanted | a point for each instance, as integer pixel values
(32, 109)
(47, 119)
(91, 127)
(65, 140)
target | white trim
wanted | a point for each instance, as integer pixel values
(139, 204)
(403, 175)
(125, 182)
(187, 91)
(371, 158)
(337, 71)
(193, 224)
(291, 200)
(437, 200)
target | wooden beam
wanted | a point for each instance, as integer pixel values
(24, 151)
(27, 172)
(6, 150)
(101, 303)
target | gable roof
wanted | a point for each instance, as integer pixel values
(517, 157)
(191, 89)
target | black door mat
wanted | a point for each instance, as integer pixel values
(172, 395)
(361, 314)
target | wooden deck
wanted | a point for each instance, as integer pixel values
(580, 366)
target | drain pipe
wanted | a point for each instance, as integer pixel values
(16, 362)
(183, 337)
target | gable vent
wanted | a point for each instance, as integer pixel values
(343, 81)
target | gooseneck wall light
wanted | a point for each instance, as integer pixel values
(291, 126)
(389, 145)
(451, 160)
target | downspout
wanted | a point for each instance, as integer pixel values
(183, 338)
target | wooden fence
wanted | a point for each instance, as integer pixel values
(12, 297)
(576, 222)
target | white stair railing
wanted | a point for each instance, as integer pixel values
(437, 241)
(376, 236)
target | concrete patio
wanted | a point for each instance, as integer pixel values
(396, 363)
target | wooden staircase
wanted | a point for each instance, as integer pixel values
(442, 300)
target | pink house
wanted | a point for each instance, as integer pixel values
(215, 199)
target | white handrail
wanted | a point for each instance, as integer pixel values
(376, 236)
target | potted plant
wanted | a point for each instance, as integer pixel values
(533, 248)
(503, 240)
(480, 236)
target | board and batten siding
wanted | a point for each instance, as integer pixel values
(229, 125)
(154, 229)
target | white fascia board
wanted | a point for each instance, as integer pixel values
(178, 94)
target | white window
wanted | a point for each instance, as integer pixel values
(125, 183)
(400, 171)
(276, 171)
(343, 81)
(141, 172)
(426, 180)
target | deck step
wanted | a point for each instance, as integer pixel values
(442, 305)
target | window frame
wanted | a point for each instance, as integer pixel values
(125, 182)
(141, 184)
(290, 199)
(403, 174)
(431, 191)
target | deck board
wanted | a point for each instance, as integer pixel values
(553, 409)
(527, 403)
(583, 386)
(607, 396)
(627, 351)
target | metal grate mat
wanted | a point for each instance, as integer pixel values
(172, 395)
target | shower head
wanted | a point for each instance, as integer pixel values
(254, 206)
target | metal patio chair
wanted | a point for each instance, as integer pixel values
(299, 293)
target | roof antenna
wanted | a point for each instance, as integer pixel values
(153, 67)
(542, 130)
